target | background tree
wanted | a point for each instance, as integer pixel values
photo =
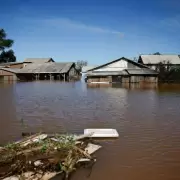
(6, 56)
(157, 53)
(80, 64)
(168, 72)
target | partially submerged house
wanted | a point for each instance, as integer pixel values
(37, 60)
(84, 71)
(16, 65)
(8, 74)
(38, 69)
(152, 61)
(121, 70)
(48, 71)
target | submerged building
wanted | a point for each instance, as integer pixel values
(153, 61)
(122, 70)
(48, 71)
(38, 69)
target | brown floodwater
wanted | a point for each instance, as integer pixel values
(147, 119)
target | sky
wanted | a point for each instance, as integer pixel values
(94, 30)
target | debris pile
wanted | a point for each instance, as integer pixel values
(42, 156)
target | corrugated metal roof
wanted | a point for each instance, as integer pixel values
(107, 73)
(38, 60)
(143, 71)
(155, 59)
(13, 70)
(87, 68)
(47, 68)
(10, 63)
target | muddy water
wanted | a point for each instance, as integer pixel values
(147, 119)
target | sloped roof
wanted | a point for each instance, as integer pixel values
(107, 73)
(142, 71)
(9, 63)
(38, 60)
(12, 70)
(87, 68)
(47, 68)
(155, 59)
(122, 58)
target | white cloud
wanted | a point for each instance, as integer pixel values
(172, 23)
(59, 22)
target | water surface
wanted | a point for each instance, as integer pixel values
(147, 119)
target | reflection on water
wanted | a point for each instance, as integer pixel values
(147, 119)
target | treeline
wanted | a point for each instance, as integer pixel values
(168, 72)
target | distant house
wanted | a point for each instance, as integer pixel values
(84, 71)
(48, 71)
(152, 61)
(8, 74)
(17, 65)
(38, 60)
(121, 70)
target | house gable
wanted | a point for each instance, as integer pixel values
(118, 65)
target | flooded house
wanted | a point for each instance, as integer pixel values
(8, 74)
(38, 69)
(48, 71)
(122, 70)
(13, 65)
(28, 61)
(84, 71)
(153, 61)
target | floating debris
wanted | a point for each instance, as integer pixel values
(43, 155)
(102, 133)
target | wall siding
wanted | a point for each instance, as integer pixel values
(99, 79)
(17, 66)
(5, 73)
(72, 72)
(143, 79)
(117, 66)
(7, 76)
(124, 79)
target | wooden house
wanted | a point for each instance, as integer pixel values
(121, 70)
(16, 65)
(152, 61)
(8, 74)
(48, 71)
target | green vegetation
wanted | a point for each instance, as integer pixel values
(6, 55)
(42, 153)
(168, 72)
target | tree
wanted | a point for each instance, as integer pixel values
(80, 64)
(168, 72)
(6, 56)
(157, 53)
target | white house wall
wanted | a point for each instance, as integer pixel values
(118, 66)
